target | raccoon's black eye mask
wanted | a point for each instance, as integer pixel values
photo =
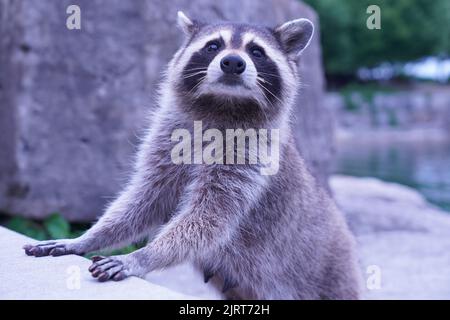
(195, 70)
(257, 51)
(213, 46)
(268, 72)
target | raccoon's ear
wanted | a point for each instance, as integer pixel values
(295, 35)
(187, 25)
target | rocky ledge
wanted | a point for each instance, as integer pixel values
(399, 235)
(66, 277)
(403, 244)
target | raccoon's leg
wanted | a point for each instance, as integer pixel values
(127, 219)
(122, 222)
(209, 215)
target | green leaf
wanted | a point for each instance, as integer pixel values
(57, 226)
(27, 227)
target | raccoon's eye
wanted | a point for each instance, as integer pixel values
(257, 52)
(212, 46)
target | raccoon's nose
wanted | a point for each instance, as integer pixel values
(232, 64)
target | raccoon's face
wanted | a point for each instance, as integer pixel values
(232, 61)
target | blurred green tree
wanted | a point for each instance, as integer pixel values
(410, 29)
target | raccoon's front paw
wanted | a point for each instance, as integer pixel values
(108, 268)
(52, 248)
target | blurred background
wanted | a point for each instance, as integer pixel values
(372, 118)
(389, 89)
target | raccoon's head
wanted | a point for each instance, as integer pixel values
(233, 61)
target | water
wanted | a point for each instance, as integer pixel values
(424, 166)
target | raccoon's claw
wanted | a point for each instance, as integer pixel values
(104, 269)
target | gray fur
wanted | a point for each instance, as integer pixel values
(258, 237)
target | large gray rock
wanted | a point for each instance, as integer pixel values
(73, 102)
(398, 232)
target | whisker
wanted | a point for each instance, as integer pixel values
(268, 102)
(197, 85)
(264, 80)
(270, 92)
(269, 74)
(194, 74)
(193, 69)
(265, 97)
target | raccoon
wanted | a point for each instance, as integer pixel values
(254, 236)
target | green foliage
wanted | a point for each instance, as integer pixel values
(57, 227)
(53, 227)
(366, 91)
(27, 227)
(410, 29)
(350, 105)
(393, 121)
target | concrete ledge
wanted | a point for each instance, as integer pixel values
(66, 277)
